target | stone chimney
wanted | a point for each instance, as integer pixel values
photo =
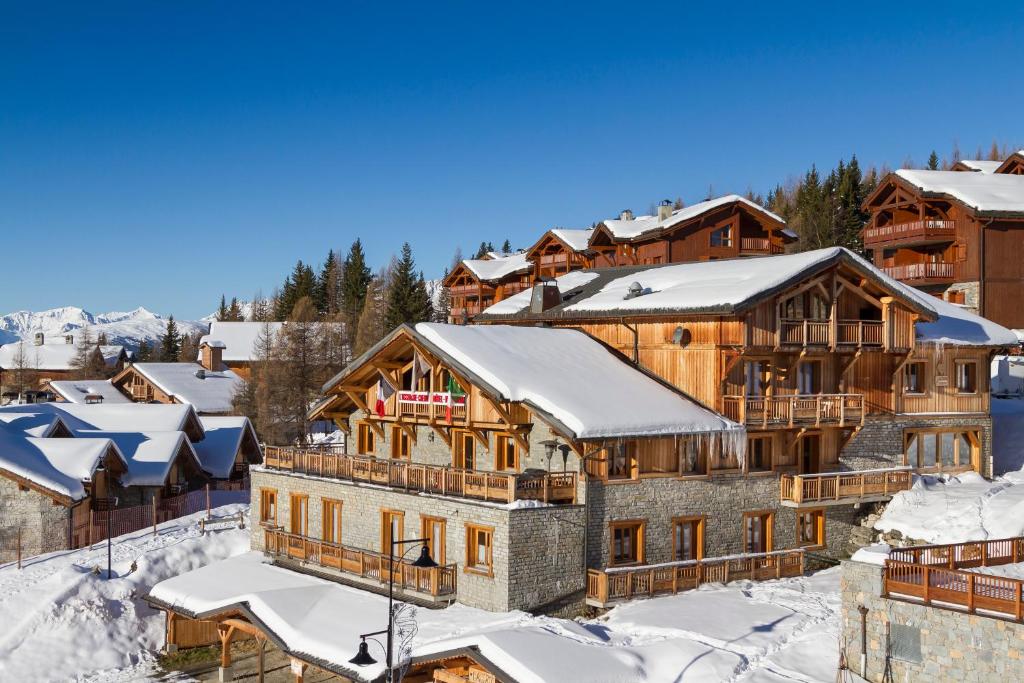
(545, 295)
(69, 339)
(211, 355)
(40, 338)
(626, 215)
(664, 209)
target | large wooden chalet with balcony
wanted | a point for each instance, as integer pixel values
(475, 284)
(955, 234)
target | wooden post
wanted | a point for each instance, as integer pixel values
(153, 501)
(90, 529)
(927, 580)
(19, 546)
(1017, 600)
(970, 592)
(207, 501)
(263, 647)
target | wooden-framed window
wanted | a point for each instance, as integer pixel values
(365, 439)
(463, 450)
(757, 531)
(331, 520)
(268, 506)
(392, 528)
(622, 460)
(480, 549)
(966, 377)
(941, 449)
(506, 453)
(298, 508)
(808, 377)
(755, 377)
(627, 542)
(401, 446)
(810, 528)
(914, 377)
(693, 457)
(722, 237)
(759, 453)
(433, 529)
(687, 538)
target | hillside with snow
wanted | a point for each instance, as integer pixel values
(127, 328)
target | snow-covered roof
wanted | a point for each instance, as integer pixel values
(521, 300)
(148, 456)
(60, 465)
(212, 343)
(956, 325)
(982, 165)
(240, 339)
(494, 269)
(984, 192)
(49, 356)
(148, 417)
(224, 437)
(629, 229)
(75, 391)
(208, 391)
(572, 378)
(575, 238)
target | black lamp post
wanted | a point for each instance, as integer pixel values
(363, 657)
(101, 469)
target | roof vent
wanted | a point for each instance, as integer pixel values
(626, 215)
(545, 295)
(635, 290)
(69, 339)
(201, 373)
(664, 209)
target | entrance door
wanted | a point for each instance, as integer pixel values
(810, 454)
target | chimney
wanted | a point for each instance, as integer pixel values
(211, 354)
(545, 296)
(626, 215)
(69, 339)
(664, 209)
(39, 339)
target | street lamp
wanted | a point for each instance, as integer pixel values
(101, 469)
(363, 657)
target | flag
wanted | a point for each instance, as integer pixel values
(384, 392)
(419, 369)
(453, 390)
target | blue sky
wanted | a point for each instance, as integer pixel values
(159, 154)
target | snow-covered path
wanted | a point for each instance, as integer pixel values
(63, 622)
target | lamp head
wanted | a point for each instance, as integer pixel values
(424, 560)
(363, 657)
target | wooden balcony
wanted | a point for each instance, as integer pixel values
(844, 488)
(607, 586)
(548, 487)
(849, 334)
(430, 406)
(797, 410)
(922, 273)
(939, 575)
(367, 565)
(912, 232)
(759, 245)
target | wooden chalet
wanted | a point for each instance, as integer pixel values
(954, 234)
(475, 284)
(239, 344)
(208, 386)
(40, 361)
(725, 227)
(560, 251)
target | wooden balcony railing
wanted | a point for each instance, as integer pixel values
(434, 581)
(549, 487)
(921, 271)
(844, 487)
(913, 230)
(610, 585)
(941, 574)
(430, 405)
(761, 245)
(797, 410)
(849, 333)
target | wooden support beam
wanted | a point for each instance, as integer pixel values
(443, 433)
(408, 429)
(481, 436)
(859, 291)
(520, 440)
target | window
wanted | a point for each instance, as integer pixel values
(506, 454)
(759, 453)
(913, 378)
(757, 532)
(693, 457)
(755, 374)
(687, 538)
(464, 451)
(809, 377)
(941, 449)
(331, 524)
(722, 237)
(392, 528)
(627, 543)
(365, 442)
(810, 528)
(299, 513)
(268, 506)
(479, 549)
(622, 460)
(400, 444)
(966, 377)
(433, 529)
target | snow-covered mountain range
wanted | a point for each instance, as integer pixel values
(125, 328)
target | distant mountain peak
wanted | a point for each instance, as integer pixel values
(127, 328)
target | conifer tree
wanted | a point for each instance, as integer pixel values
(355, 279)
(298, 284)
(82, 360)
(407, 297)
(189, 351)
(145, 352)
(456, 260)
(443, 307)
(506, 247)
(325, 287)
(370, 328)
(933, 161)
(260, 309)
(222, 310)
(170, 342)
(235, 311)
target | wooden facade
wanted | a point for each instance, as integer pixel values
(469, 294)
(552, 256)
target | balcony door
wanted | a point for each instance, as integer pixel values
(392, 528)
(809, 377)
(464, 451)
(299, 513)
(756, 376)
(810, 454)
(757, 532)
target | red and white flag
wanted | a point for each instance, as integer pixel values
(384, 392)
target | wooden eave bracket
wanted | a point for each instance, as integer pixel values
(443, 433)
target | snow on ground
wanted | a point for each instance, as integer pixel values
(957, 509)
(61, 622)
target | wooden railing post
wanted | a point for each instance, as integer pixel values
(970, 593)
(927, 581)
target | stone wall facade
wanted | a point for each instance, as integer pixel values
(879, 443)
(925, 643)
(44, 524)
(972, 294)
(537, 551)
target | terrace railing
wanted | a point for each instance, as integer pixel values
(921, 271)
(911, 230)
(434, 581)
(605, 586)
(549, 487)
(796, 410)
(848, 333)
(834, 487)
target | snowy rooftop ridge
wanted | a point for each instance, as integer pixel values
(494, 269)
(76, 391)
(209, 391)
(58, 356)
(981, 165)
(240, 339)
(997, 193)
(576, 238)
(630, 229)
